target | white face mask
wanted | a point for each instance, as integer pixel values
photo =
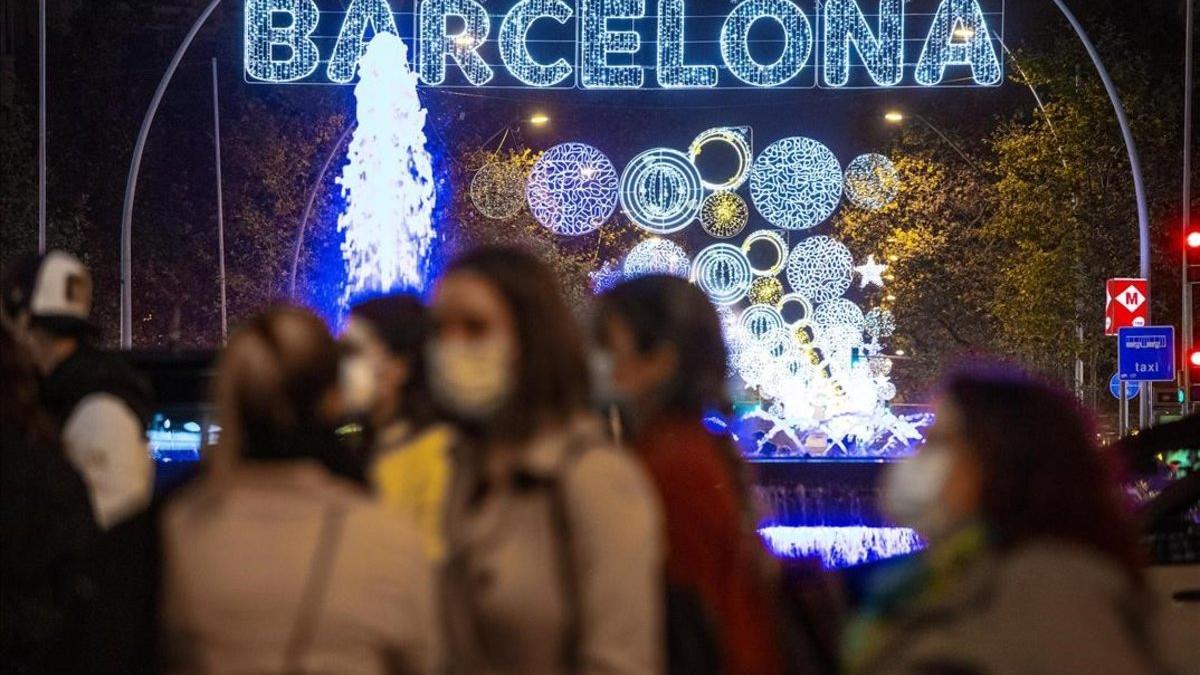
(912, 490)
(360, 387)
(473, 379)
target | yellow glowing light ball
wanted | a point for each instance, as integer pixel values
(723, 214)
(766, 290)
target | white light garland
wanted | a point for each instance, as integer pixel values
(838, 311)
(944, 47)
(435, 43)
(820, 268)
(723, 214)
(737, 138)
(775, 241)
(796, 183)
(498, 190)
(656, 256)
(661, 190)
(735, 42)
(514, 47)
(723, 273)
(263, 33)
(572, 189)
(871, 181)
(879, 323)
(360, 15)
(881, 52)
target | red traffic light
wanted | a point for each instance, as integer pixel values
(1194, 358)
(1193, 239)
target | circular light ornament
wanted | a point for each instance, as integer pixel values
(723, 214)
(837, 338)
(880, 366)
(761, 321)
(772, 239)
(572, 189)
(879, 323)
(738, 140)
(796, 183)
(765, 290)
(723, 273)
(871, 181)
(820, 268)
(839, 312)
(885, 390)
(656, 256)
(498, 190)
(661, 191)
(796, 300)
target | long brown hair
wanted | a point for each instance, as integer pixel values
(1044, 476)
(402, 323)
(552, 383)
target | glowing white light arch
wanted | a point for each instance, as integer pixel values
(796, 183)
(723, 273)
(737, 138)
(661, 190)
(776, 241)
(723, 214)
(572, 189)
(871, 181)
(656, 256)
(820, 268)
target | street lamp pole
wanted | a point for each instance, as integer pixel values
(1139, 189)
(135, 165)
(42, 126)
(312, 196)
(1187, 318)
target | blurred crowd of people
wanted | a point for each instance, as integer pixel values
(512, 500)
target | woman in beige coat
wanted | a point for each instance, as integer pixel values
(1032, 566)
(273, 563)
(554, 552)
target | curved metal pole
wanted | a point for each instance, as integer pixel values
(1139, 189)
(135, 165)
(312, 196)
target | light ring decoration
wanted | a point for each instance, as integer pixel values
(498, 190)
(572, 189)
(723, 273)
(838, 312)
(656, 256)
(759, 321)
(871, 181)
(723, 214)
(837, 338)
(775, 240)
(766, 290)
(796, 183)
(736, 138)
(661, 191)
(820, 268)
(796, 299)
(879, 323)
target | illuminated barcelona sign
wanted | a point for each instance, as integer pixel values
(636, 44)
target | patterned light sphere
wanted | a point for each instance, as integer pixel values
(879, 323)
(498, 190)
(839, 311)
(796, 183)
(820, 268)
(773, 240)
(723, 214)
(759, 321)
(766, 290)
(738, 140)
(871, 181)
(723, 273)
(656, 256)
(661, 190)
(572, 189)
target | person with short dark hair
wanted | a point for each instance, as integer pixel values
(99, 404)
(1032, 564)
(383, 365)
(554, 557)
(273, 563)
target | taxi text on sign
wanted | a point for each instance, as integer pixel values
(1126, 304)
(1146, 354)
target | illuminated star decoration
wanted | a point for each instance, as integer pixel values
(870, 272)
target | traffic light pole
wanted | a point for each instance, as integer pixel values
(1186, 313)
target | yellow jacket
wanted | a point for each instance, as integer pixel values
(411, 474)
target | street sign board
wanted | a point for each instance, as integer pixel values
(1146, 354)
(1132, 388)
(1126, 303)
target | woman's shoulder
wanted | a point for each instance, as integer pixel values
(1059, 565)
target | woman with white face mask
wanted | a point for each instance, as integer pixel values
(1032, 565)
(554, 555)
(383, 372)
